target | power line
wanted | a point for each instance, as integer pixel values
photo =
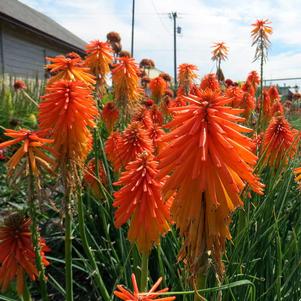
(158, 14)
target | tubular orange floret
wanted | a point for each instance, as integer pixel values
(157, 86)
(70, 68)
(153, 294)
(139, 200)
(99, 57)
(17, 255)
(126, 84)
(33, 149)
(69, 110)
(110, 115)
(209, 161)
(210, 82)
(279, 143)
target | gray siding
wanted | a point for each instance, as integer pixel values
(24, 53)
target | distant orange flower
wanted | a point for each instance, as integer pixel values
(187, 74)
(274, 94)
(112, 149)
(248, 104)
(139, 200)
(34, 145)
(267, 106)
(210, 82)
(153, 294)
(110, 115)
(236, 94)
(209, 161)
(277, 108)
(126, 84)
(17, 255)
(261, 27)
(99, 57)
(70, 68)
(254, 79)
(260, 34)
(134, 141)
(92, 180)
(113, 36)
(166, 77)
(69, 110)
(279, 144)
(220, 51)
(155, 133)
(157, 86)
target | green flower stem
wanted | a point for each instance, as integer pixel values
(144, 272)
(68, 246)
(88, 251)
(26, 294)
(36, 236)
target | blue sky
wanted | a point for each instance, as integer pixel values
(202, 22)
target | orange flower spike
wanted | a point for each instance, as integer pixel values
(127, 92)
(260, 37)
(279, 144)
(220, 51)
(187, 74)
(110, 115)
(261, 27)
(253, 79)
(156, 115)
(139, 200)
(210, 82)
(112, 149)
(274, 94)
(134, 141)
(277, 108)
(267, 107)
(34, 145)
(69, 110)
(99, 57)
(70, 68)
(153, 294)
(209, 161)
(17, 255)
(236, 94)
(158, 86)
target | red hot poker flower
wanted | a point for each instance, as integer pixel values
(153, 294)
(69, 110)
(17, 255)
(209, 161)
(157, 86)
(210, 82)
(279, 144)
(99, 57)
(70, 68)
(139, 200)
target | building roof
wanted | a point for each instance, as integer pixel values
(22, 14)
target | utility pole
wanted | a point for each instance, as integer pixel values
(174, 16)
(133, 26)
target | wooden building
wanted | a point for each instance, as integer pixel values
(27, 37)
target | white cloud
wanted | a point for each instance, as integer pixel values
(202, 22)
